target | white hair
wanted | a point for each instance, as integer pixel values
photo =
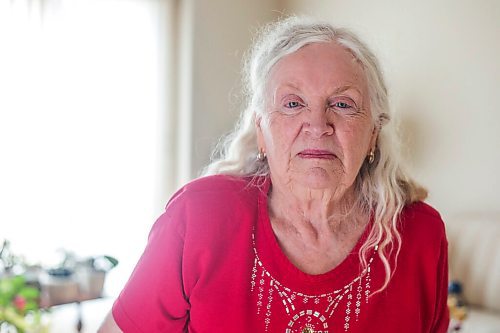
(382, 188)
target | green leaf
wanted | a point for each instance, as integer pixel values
(6, 286)
(112, 260)
(12, 317)
(18, 282)
(7, 290)
(29, 293)
(31, 306)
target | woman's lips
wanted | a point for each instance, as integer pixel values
(317, 153)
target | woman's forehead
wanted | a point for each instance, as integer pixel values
(319, 65)
(327, 55)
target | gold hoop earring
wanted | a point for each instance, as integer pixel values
(261, 155)
(371, 157)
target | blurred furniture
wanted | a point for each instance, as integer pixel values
(474, 258)
(85, 284)
(92, 313)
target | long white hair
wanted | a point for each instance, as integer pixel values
(382, 188)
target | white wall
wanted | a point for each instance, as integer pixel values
(221, 32)
(442, 64)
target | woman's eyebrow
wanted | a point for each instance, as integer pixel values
(296, 87)
(345, 88)
(284, 86)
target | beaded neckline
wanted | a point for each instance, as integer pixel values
(308, 312)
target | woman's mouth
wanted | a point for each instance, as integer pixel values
(317, 154)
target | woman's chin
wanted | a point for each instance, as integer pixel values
(318, 178)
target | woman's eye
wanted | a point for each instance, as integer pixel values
(292, 104)
(342, 105)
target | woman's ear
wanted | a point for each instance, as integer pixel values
(260, 135)
(374, 137)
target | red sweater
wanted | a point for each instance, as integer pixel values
(212, 264)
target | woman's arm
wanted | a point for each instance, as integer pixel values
(153, 299)
(442, 316)
(109, 325)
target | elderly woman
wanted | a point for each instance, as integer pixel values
(307, 222)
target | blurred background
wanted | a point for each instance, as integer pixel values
(108, 106)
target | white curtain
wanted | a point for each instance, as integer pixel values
(86, 115)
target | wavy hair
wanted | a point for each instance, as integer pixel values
(382, 188)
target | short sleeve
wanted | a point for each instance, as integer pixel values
(153, 299)
(442, 317)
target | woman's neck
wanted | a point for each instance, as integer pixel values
(315, 231)
(319, 207)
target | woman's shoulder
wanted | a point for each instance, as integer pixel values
(211, 201)
(420, 209)
(216, 188)
(421, 219)
(217, 183)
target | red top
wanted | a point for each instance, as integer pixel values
(212, 264)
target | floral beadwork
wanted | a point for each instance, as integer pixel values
(270, 290)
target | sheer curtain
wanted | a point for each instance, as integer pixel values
(86, 115)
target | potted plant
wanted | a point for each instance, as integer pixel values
(19, 311)
(19, 296)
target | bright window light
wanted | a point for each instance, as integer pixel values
(80, 105)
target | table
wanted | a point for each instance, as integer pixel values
(89, 314)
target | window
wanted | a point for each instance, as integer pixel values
(82, 127)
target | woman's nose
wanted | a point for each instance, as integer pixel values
(317, 122)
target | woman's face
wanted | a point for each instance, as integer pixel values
(317, 128)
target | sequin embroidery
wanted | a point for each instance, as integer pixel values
(269, 290)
